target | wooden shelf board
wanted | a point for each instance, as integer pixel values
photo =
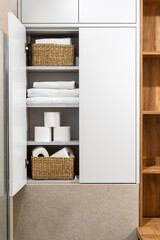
(151, 170)
(151, 53)
(70, 143)
(46, 182)
(151, 1)
(148, 233)
(151, 222)
(52, 69)
(151, 112)
(52, 105)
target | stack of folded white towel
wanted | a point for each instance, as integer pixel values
(61, 41)
(57, 92)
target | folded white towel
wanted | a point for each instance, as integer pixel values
(55, 85)
(35, 92)
(56, 100)
(63, 41)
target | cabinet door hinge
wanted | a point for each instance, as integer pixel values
(26, 162)
(25, 47)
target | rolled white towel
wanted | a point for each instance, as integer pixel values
(54, 100)
(63, 41)
(55, 85)
(33, 92)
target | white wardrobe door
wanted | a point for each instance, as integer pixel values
(17, 105)
(49, 11)
(107, 105)
(107, 11)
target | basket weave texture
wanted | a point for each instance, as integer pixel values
(53, 55)
(51, 168)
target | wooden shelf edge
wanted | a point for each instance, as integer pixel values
(151, 112)
(151, 54)
(148, 233)
(151, 170)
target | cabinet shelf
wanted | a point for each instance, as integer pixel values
(52, 105)
(151, 222)
(52, 143)
(151, 170)
(151, 53)
(150, 232)
(151, 112)
(52, 69)
(152, 1)
(44, 182)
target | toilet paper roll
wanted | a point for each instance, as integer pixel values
(61, 134)
(64, 153)
(52, 119)
(39, 151)
(42, 134)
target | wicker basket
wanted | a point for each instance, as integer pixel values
(51, 168)
(53, 55)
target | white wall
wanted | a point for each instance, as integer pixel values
(5, 7)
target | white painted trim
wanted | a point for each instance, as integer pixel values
(20, 10)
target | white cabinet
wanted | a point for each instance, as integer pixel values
(17, 105)
(106, 11)
(107, 105)
(107, 80)
(49, 11)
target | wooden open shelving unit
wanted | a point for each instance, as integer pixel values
(150, 114)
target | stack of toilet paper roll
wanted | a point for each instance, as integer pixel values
(52, 131)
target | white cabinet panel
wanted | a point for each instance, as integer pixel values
(107, 11)
(17, 105)
(107, 105)
(49, 11)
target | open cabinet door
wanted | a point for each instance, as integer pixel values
(17, 105)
